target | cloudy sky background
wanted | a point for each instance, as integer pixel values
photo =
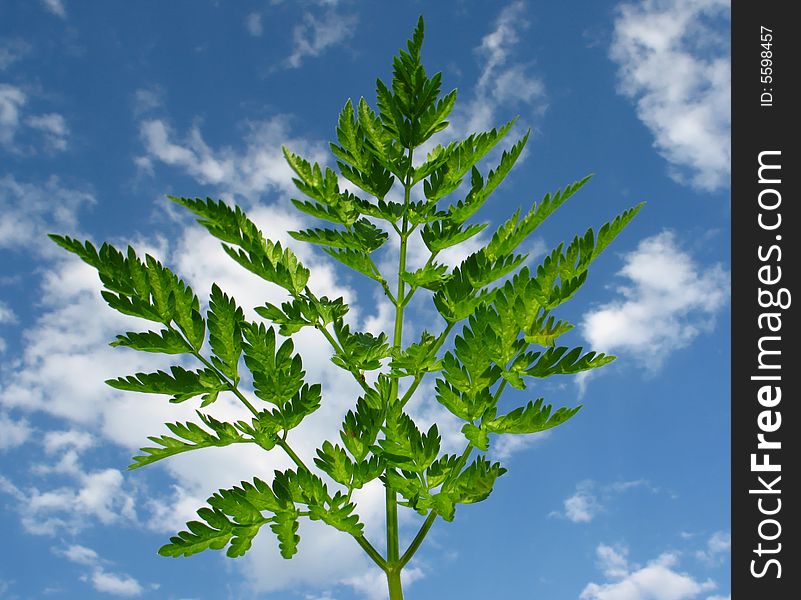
(107, 107)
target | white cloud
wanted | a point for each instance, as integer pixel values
(658, 580)
(717, 549)
(504, 82)
(115, 584)
(258, 168)
(28, 211)
(581, 507)
(89, 496)
(13, 433)
(613, 561)
(6, 314)
(110, 583)
(54, 128)
(147, 99)
(253, 24)
(673, 60)
(591, 498)
(55, 7)
(667, 302)
(504, 446)
(51, 126)
(12, 50)
(12, 99)
(315, 34)
(80, 555)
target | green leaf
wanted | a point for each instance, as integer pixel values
(356, 260)
(246, 244)
(405, 446)
(461, 158)
(442, 469)
(300, 406)
(345, 210)
(379, 139)
(558, 361)
(544, 330)
(301, 312)
(260, 496)
(475, 483)
(179, 383)
(362, 351)
(480, 191)
(311, 180)
(166, 341)
(363, 237)
(339, 514)
(334, 461)
(142, 289)
(285, 526)
(444, 234)
(360, 429)
(277, 374)
(214, 534)
(189, 436)
(429, 277)
(433, 119)
(84, 250)
(457, 297)
(514, 231)
(417, 359)
(405, 483)
(225, 332)
(476, 436)
(531, 418)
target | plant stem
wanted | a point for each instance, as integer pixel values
(372, 552)
(291, 453)
(391, 500)
(232, 386)
(418, 539)
(412, 388)
(394, 581)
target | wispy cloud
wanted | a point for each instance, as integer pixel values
(250, 171)
(12, 50)
(53, 127)
(12, 100)
(116, 584)
(718, 548)
(667, 301)
(253, 24)
(147, 99)
(92, 494)
(55, 7)
(30, 210)
(14, 123)
(315, 34)
(13, 432)
(504, 81)
(592, 498)
(673, 60)
(659, 579)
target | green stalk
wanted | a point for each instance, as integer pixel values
(393, 552)
(418, 539)
(394, 581)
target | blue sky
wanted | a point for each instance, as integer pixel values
(107, 107)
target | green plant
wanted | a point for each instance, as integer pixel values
(503, 308)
